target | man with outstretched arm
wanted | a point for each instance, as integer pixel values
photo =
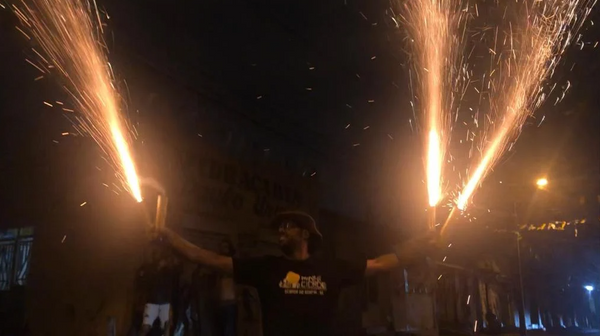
(298, 293)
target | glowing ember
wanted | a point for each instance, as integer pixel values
(72, 42)
(522, 61)
(542, 182)
(434, 26)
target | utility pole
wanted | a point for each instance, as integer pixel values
(522, 323)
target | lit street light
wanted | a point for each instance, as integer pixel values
(542, 182)
(589, 289)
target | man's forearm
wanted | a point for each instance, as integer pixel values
(405, 255)
(187, 249)
(408, 253)
(196, 254)
(387, 261)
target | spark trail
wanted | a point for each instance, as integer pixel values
(69, 32)
(523, 58)
(436, 29)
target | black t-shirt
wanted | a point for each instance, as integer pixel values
(298, 298)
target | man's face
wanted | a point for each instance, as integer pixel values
(290, 236)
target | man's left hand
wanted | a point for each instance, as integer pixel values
(426, 244)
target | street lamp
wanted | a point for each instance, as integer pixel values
(542, 182)
(589, 289)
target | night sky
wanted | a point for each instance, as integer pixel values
(301, 72)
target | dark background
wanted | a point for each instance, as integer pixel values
(232, 52)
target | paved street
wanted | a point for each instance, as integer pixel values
(593, 332)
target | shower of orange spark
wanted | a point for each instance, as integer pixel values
(435, 27)
(70, 33)
(528, 59)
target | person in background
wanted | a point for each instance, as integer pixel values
(139, 301)
(298, 292)
(227, 310)
(205, 284)
(160, 278)
(494, 326)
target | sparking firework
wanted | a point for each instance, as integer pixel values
(436, 35)
(70, 34)
(524, 55)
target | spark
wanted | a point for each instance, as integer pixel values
(35, 66)
(435, 30)
(69, 33)
(543, 31)
(22, 32)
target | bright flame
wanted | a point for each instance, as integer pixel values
(485, 164)
(434, 26)
(127, 163)
(72, 42)
(542, 182)
(529, 57)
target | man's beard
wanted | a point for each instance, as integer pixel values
(287, 249)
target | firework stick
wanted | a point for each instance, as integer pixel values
(431, 217)
(161, 211)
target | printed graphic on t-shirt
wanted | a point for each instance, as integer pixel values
(303, 285)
